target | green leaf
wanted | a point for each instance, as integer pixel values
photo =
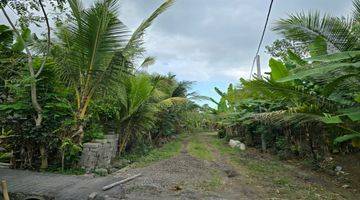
(352, 113)
(331, 120)
(278, 69)
(217, 90)
(135, 46)
(318, 70)
(304, 28)
(213, 100)
(335, 56)
(357, 98)
(6, 36)
(296, 58)
(354, 116)
(13, 106)
(347, 137)
(318, 47)
(21, 41)
(333, 85)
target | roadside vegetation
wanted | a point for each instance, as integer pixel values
(308, 105)
(277, 178)
(168, 150)
(84, 76)
(80, 77)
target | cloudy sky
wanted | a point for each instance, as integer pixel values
(213, 42)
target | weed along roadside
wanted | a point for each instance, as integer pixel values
(136, 99)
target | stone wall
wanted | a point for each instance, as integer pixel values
(99, 153)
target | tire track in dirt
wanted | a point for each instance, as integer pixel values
(236, 185)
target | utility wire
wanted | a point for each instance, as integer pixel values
(262, 37)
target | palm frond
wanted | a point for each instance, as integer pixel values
(306, 28)
(134, 46)
(148, 61)
(356, 11)
(173, 101)
(91, 40)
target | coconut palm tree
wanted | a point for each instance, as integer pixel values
(96, 51)
(318, 31)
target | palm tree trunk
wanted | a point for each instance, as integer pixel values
(124, 139)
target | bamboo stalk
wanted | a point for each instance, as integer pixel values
(5, 190)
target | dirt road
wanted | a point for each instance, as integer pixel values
(206, 168)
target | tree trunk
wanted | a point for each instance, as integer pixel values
(123, 141)
(44, 160)
(33, 88)
(62, 160)
(79, 134)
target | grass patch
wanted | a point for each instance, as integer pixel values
(222, 146)
(214, 183)
(271, 173)
(268, 167)
(239, 157)
(67, 171)
(169, 150)
(198, 149)
(282, 181)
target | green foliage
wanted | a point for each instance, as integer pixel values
(340, 56)
(89, 86)
(278, 69)
(280, 49)
(67, 171)
(318, 47)
(221, 133)
(20, 43)
(70, 150)
(309, 27)
(5, 157)
(134, 47)
(308, 106)
(169, 150)
(94, 131)
(344, 138)
(6, 37)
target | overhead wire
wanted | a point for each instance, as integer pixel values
(262, 37)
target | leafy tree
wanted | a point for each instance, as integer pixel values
(280, 48)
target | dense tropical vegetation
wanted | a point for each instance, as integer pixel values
(309, 104)
(84, 77)
(79, 80)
